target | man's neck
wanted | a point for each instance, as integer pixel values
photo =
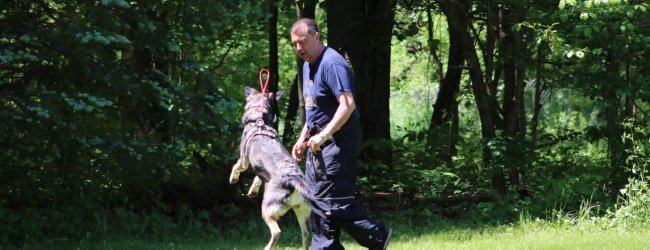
(320, 52)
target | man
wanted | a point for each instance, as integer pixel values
(333, 138)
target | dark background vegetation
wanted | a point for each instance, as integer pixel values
(123, 116)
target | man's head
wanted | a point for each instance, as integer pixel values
(306, 39)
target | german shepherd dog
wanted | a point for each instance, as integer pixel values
(260, 147)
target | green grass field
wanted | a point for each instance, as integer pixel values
(407, 235)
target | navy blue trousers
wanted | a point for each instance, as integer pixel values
(331, 174)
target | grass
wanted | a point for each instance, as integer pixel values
(407, 234)
(521, 238)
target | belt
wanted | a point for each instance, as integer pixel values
(351, 123)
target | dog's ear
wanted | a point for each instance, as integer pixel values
(279, 94)
(250, 91)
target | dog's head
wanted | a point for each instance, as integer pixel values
(261, 106)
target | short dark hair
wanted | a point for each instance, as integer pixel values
(312, 27)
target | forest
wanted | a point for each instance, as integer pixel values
(125, 116)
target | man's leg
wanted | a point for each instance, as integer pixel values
(341, 160)
(366, 231)
(325, 234)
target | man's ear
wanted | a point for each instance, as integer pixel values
(250, 91)
(278, 94)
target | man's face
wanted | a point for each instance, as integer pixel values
(306, 45)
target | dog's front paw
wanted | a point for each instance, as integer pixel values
(251, 193)
(234, 178)
(234, 174)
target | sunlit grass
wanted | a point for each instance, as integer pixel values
(409, 234)
(519, 238)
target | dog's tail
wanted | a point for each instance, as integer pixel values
(299, 184)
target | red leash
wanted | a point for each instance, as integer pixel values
(268, 75)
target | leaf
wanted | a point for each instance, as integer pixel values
(174, 47)
(449, 174)
(564, 17)
(597, 51)
(641, 7)
(587, 32)
(121, 39)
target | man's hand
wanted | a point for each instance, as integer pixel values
(316, 141)
(298, 150)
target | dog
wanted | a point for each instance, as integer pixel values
(260, 147)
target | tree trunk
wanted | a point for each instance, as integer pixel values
(361, 30)
(445, 110)
(492, 67)
(537, 95)
(630, 113)
(458, 18)
(616, 150)
(304, 9)
(274, 77)
(292, 111)
(513, 100)
(153, 120)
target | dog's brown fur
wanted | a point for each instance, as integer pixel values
(260, 147)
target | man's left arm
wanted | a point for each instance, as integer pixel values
(342, 114)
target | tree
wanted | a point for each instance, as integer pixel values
(445, 109)
(361, 31)
(106, 99)
(484, 93)
(609, 45)
(304, 9)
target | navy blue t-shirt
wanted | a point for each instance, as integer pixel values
(323, 83)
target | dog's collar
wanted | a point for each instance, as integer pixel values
(260, 122)
(253, 111)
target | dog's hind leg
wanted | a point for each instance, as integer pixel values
(255, 186)
(240, 166)
(272, 221)
(302, 214)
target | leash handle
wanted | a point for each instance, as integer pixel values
(263, 86)
(315, 129)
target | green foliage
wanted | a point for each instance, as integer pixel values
(592, 60)
(87, 222)
(104, 102)
(412, 89)
(419, 172)
(633, 209)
